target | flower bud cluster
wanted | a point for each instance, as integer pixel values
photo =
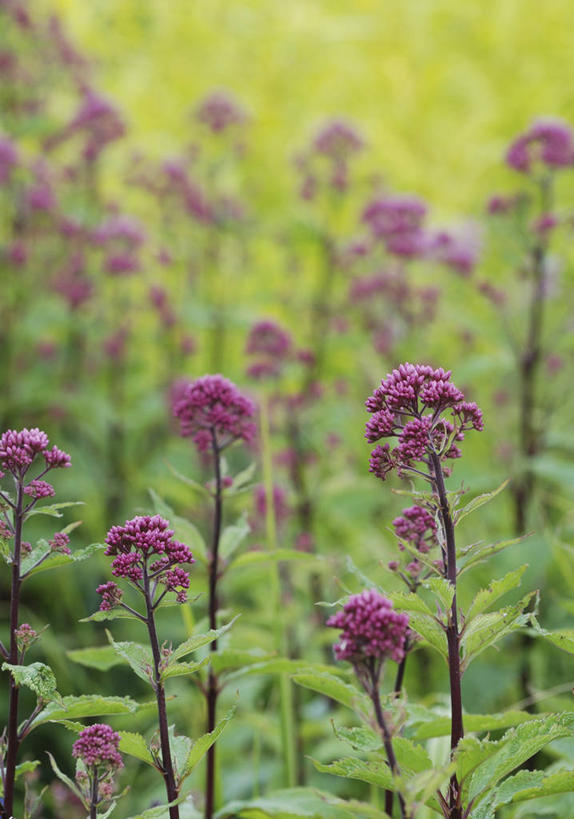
(18, 449)
(371, 629)
(410, 405)
(98, 745)
(213, 406)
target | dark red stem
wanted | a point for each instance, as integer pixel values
(212, 682)
(452, 633)
(12, 735)
(167, 764)
(388, 744)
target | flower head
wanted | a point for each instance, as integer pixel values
(410, 405)
(98, 745)
(213, 407)
(371, 629)
(138, 541)
(219, 111)
(547, 140)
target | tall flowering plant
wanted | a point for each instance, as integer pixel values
(215, 415)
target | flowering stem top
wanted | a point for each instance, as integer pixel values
(427, 414)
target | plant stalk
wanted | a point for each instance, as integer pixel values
(388, 744)
(212, 682)
(167, 764)
(452, 632)
(12, 735)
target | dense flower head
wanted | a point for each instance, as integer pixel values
(548, 140)
(98, 745)
(19, 448)
(268, 338)
(371, 628)
(60, 543)
(213, 406)
(39, 489)
(410, 405)
(458, 250)
(338, 139)
(111, 595)
(57, 459)
(25, 636)
(219, 111)
(140, 539)
(417, 526)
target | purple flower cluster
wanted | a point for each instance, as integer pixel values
(409, 405)
(336, 143)
(415, 526)
(39, 489)
(548, 141)
(213, 407)
(111, 595)
(98, 745)
(370, 629)
(139, 540)
(399, 222)
(219, 111)
(271, 346)
(18, 449)
(338, 139)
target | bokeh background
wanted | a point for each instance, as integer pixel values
(140, 246)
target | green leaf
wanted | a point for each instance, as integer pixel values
(487, 629)
(476, 553)
(256, 558)
(199, 640)
(299, 803)
(563, 639)
(135, 745)
(54, 560)
(89, 705)
(118, 613)
(37, 676)
(334, 688)
(486, 597)
(23, 768)
(427, 627)
(197, 487)
(242, 478)
(65, 779)
(515, 747)
(184, 530)
(473, 723)
(233, 536)
(477, 502)
(360, 738)
(201, 746)
(100, 657)
(138, 657)
(375, 773)
(231, 659)
(279, 665)
(183, 669)
(408, 601)
(53, 510)
(443, 589)
(524, 786)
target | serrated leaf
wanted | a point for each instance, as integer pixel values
(243, 477)
(138, 657)
(563, 639)
(54, 560)
(515, 747)
(473, 723)
(486, 597)
(334, 688)
(443, 589)
(487, 629)
(233, 536)
(135, 745)
(477, 502)
(408, 601)
(38, 676)
(183, 669)
(199, 640)
(359, 738)
(89, 705)
(477, 553)
(117, 613)
(375, 773)
(53, 510)
(278, 665)
(427, 627)
(197, 487)
(100, 657)
(201, 746)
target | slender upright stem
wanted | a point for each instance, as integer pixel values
(12, 736)
(452, 632)
(167, 764)
(94, 795)
(388, 744)
(212, 682)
